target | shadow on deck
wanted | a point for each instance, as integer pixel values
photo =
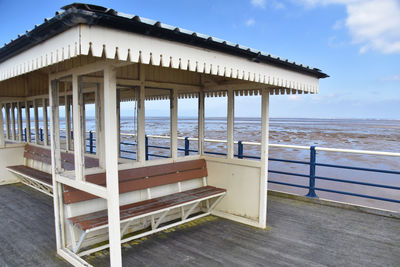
(300, 234)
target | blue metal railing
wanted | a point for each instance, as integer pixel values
(311, 175)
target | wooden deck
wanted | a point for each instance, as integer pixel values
(300, 234)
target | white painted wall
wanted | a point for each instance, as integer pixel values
(10, 155)
(241, 179)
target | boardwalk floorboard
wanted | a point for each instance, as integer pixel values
(300, 234)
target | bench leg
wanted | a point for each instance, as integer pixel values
(215, 203)
(156, 224)
(76, 244)
(185, 216)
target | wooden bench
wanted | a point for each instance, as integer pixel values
(36, 171)
(181, 204)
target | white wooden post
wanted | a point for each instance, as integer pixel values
(79, 141)
(68, 122)
(45, 123)
(174, 124)
(141, 132)
(230, 122)
(13, 130)
(100, 137)
(201, 123)
(264, 157)
(8, 131)
(56, 163)
(28, 122)
(111, 151)
(36, 113)
(19, 119)
(2, 139)
(119, 121)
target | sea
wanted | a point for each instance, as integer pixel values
(357, 134)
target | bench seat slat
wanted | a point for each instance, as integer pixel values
(100, 218)
(72, 195)
(34, 173)
(149, 171)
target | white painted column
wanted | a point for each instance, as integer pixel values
(45, 123)
(264, 157)
(174, 124)
(79, 143)
(68, 122)
(100, 137)
(13, 129)
(111, 151)
(230, 124)
(19, 121)
(141, 126)
(36, 115)
(2, 137)
(56, 163)
(119, 121)
(8, 130)
(28, 122)
(201, 123)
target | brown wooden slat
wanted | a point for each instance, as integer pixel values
(178, 173)
(99, 218)
(34, 173)
(149, 171)
(67, 159)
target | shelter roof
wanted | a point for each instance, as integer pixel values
(79, 13)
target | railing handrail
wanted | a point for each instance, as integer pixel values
(317, 148)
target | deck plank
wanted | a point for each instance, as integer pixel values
(301, 234)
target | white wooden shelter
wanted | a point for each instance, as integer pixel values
(91, 50)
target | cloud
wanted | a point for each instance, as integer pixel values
(373, 24)
(391, 78)
(258, 3)
(276, 4)
(250, 22)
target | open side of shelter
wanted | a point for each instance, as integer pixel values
(104, 57)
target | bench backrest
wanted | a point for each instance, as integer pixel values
(143, 178)
(43, 155)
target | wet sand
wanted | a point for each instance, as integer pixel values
(377, 135)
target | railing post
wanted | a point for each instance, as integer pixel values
(72, 134)
(313, 156)
(240, 150)
(147, 147)
(25, 136)
(41, 134)
(186, 146)
(91, 142)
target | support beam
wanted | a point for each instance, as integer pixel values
(2, 137)
(36, 115)
(78, 120)
(13, 128)
(68, 122)
(230, 124)
(19, 121)
(45, 123)
(28, 122)
(201, 123)
(8, 130)
(111, 151)
(174, 124)
(141, 132)
(119, 121)
(100, 137)
(264, 157)
(56, 163)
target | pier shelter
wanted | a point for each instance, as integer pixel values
(88, 54)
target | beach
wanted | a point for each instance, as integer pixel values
(375, 135)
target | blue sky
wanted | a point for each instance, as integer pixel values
(356, 42)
